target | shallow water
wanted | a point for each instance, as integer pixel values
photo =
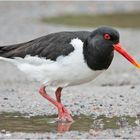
(16, 122)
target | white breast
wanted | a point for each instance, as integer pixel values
(65, 71)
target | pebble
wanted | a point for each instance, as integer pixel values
(132, 87)
(138, 115)
(93, 132)
(5, 98)
(137, 122)
(3, 131)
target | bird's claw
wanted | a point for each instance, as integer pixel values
(64, 116)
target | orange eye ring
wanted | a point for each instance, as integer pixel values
(107, 36)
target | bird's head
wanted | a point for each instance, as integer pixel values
(105, 40)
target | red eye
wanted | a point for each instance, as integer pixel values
(107, 36)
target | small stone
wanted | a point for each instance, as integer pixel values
(12, 90)
(75, 103)
(5, 98)
(132, 87)
(3, 131)
(121, 96)
(138, 115)
(137, 122)
(82, 106)
(119, 104)
(48, 137)
(117, 135)
(92, 132)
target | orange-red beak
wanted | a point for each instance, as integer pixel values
(119, 49)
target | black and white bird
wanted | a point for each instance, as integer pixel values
(65, 59)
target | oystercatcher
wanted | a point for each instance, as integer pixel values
(65, 59)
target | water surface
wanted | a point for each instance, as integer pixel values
(16, 122)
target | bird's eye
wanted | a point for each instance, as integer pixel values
(107, 36)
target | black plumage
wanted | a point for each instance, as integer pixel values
(50, 46)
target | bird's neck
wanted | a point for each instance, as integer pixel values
(96, 59)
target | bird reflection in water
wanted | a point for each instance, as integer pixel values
(63, 127)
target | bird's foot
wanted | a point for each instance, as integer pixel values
(63, 115)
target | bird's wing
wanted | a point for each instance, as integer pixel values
(50, 46)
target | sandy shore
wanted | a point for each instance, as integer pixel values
(114, 93)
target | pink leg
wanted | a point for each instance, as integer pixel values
(58, 94)
(63, 114)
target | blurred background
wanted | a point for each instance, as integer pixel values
(116, 92)
(42, 17)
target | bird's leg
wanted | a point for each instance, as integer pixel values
(63, 114)
(58, 94)
(45, 95)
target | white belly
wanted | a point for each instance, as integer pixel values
(65, 71)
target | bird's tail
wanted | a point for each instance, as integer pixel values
(8, 51)
(4, 53)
